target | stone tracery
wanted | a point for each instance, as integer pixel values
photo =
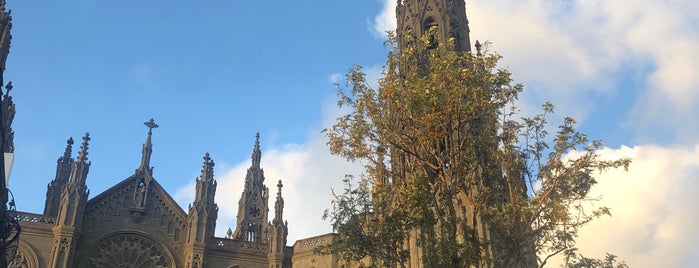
(127, 251)
(23, 256)
(19, 261)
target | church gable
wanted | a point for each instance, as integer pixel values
(136, 223)
(137, 203)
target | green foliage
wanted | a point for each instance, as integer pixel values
(450, 167)
(610, 261)
(353, 219)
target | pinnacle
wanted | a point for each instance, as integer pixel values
(256, 153)
(69, 148)
(83, 148)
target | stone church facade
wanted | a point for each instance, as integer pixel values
(136, 223)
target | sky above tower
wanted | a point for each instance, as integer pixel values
(214, 73)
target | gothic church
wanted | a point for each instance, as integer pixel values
(136, 223)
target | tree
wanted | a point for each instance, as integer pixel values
(229, 233)
(609, 261)
(452, 177)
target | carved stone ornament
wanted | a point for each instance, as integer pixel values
(22, 257)
(19, 261)
(126, 251)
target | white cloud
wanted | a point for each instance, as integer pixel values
(576, 53)
(570, 53)
(653, 225)
(386, 20)
(653, 205)
(335, 78)
(582, 50)
(308, 172)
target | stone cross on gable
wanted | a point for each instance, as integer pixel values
(151, 125)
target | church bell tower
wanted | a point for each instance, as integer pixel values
(445, 19)
(252, 225)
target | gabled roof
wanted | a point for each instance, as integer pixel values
(127, 185)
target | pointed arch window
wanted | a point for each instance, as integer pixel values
(431, 29)
(251, 232)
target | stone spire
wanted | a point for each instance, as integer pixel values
(5, 38)
(207, 169)
(148, 146)
(64, 163)
(63, 169)
(206, 185)
(69, 150)
(253, 207)
(7, 109)
(255, 177)
(279, 230)
(279, 204)
(71, 211)
(81, 166)
(82, 156)
(201, 219)
(256, 153)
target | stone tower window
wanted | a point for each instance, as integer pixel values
(431, 29)
(251, 232)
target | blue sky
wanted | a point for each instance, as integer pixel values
(213, 73)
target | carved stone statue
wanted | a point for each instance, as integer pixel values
(140, 199)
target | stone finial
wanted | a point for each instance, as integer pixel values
(69, 148)
(82, 156)
(256, 153)
(151, 125)
(279, 205)
(207, 171)
(148, 146)
(279, 186)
